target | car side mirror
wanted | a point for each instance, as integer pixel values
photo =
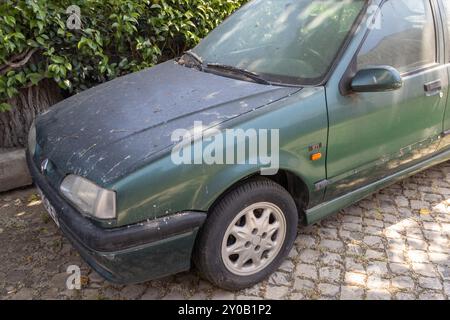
(377, 79)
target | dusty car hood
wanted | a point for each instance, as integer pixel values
(113, 129)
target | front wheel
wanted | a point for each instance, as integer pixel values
(247, 235)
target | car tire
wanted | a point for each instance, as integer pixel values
(241, 226)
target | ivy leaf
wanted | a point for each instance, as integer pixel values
(10, 20)
(5, 107)
(57, 59)
(34, 78)
(11, 92)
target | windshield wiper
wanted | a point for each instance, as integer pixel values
(198, 61)
(248, 74)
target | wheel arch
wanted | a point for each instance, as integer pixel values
(290, 181)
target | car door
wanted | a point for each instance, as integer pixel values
(445, 10)
(372, 135)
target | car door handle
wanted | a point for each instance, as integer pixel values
(433, 88)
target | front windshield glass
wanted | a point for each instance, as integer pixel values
(286, 41)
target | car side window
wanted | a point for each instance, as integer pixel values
(404, 37)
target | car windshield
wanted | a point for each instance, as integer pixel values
(283, 41)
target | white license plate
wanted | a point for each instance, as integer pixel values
(50, 209)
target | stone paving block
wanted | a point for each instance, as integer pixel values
(331, 245)
(431, 295)
(327, 289)
(405, 296)
(351, 293)
(355, 279)
(330, 274)
(351, 265)
(309, 256)
(403, 282)
(276, 293)
(424, 269)
(379, 294)
(304, 285)
(430, 283)
(307, 271)
(377, 268)
(331, 259)
(377, 282)
(280, 279)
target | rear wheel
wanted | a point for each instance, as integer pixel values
(247, 235)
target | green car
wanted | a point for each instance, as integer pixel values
(286, 113)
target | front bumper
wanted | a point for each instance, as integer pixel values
(130, 254)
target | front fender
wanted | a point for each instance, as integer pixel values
(211, 189)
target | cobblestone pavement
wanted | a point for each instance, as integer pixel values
(392, 245)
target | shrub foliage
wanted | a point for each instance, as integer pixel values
(38, 40)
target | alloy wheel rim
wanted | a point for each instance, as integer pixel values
(253, 239)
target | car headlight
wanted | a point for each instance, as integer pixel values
(32, 139)
(89, 198)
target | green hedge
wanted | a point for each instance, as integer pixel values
(116, 37)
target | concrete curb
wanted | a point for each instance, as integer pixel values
(13, 169)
